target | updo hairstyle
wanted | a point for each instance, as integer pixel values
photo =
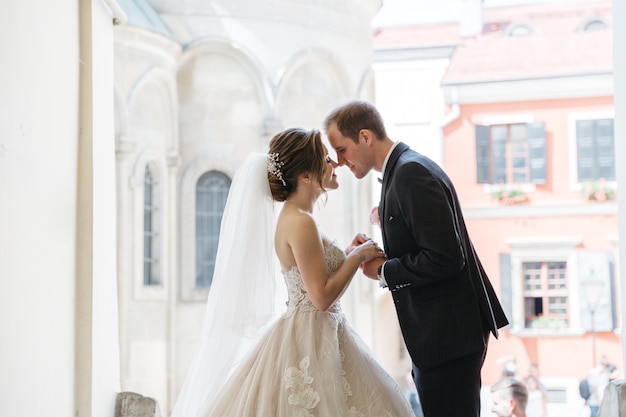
(299, 151)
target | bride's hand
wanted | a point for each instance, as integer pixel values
(368, 250)
(358, 240)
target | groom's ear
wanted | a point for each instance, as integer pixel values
(366, 135)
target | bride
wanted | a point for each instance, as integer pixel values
(309, 361)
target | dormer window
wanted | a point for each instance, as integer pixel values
(595, 24)
(519, 29)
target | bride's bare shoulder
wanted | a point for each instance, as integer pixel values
(291, 213)
(294, 229)
(293, 221)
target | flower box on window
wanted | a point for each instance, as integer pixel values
(546, 322)
(509, 195)
(598, 191)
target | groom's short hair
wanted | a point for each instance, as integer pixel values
(355, 115)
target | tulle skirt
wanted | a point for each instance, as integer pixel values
(310, 364)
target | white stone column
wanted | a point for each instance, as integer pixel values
(38, 145)
(97, 337)
(58, 307)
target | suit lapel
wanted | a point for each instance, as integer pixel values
(391, 163)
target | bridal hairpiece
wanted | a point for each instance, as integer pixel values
(274, 165)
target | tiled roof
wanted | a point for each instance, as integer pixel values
(417, 36)
(498, 57)
(558, 46)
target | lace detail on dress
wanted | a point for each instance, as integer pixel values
(347, 390)
(298, 297)
(353, 412)
(302, 396)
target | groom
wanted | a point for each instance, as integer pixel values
(445, 303)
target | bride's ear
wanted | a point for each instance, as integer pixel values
(306, 177)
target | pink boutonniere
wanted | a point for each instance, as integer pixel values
(374, 219)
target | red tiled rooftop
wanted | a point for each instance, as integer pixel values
(557, 48)
(410, 36)
(499, 57)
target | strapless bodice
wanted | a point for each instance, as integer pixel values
(298, 297)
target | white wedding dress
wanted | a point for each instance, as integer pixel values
(310, 364)
(251, 363)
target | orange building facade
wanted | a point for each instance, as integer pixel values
(544, 245)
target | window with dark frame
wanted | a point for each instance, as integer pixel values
(511, 154)
(544, 290)
(151, 275)
(546, 293)
(211, 193)
(595, 150)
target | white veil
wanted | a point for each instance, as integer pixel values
(242, 295)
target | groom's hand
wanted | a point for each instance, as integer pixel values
(370, 268)
(358, 240)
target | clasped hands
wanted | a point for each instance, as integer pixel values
(373, 254)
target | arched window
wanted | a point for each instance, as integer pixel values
(211, 192)
(151, 228)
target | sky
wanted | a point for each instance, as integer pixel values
(404, 12)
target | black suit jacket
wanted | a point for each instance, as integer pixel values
(445, 303)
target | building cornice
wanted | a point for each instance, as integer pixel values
(597, 84)
(409, 54)
(530, 211)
